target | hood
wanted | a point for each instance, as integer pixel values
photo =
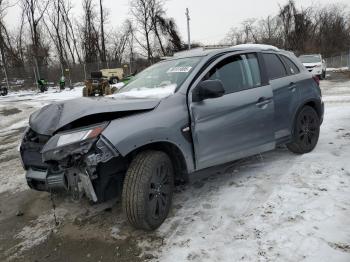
(51, 118)
(312, 64)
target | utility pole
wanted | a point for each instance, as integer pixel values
(188, 29)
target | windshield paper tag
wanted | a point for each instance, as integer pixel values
(180, 69)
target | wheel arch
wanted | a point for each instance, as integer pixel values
(172, 150)
(314, 103)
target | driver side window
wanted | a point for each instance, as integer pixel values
(235, 73)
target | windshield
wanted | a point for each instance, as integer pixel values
(310, 58)
(159, 80)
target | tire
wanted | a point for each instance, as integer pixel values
(323, 75)
(85, 91)
(114, 80)
(148, 189)
(107, 91)
(306, 131)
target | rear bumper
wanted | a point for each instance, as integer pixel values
(322, 112)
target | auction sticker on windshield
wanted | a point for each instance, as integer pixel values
(180, 69)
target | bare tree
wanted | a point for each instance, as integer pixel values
(35, 10)
(70, 31)
(121, 40)
(90, 36)
(141, 11)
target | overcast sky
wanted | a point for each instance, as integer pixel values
(210, 20)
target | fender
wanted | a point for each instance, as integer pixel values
(162, 124)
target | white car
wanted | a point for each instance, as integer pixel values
(315, 64)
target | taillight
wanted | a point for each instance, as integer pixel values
(317, 80)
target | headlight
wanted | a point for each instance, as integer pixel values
(72, 137)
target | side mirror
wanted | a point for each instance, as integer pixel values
(208, 89)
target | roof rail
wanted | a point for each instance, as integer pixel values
(189, 52)
(256, 46)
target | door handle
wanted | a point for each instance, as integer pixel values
(263, 102)
(292, 87)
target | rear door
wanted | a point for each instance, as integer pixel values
(238, 124)
(285, 92)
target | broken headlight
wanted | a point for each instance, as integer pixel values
(70, 142)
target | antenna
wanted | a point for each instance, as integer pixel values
(188, 29)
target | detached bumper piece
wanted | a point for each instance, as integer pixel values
(42, 180)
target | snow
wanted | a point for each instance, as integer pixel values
(118, 85)
(338, 69)
(280, 207)
(160, 92)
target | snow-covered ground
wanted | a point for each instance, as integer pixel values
(273, 207)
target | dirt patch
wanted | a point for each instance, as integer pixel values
(56, 247)
(340, 246)
(11, 111)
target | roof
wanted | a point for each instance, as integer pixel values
(206, 50)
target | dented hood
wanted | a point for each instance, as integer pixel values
(53, 117)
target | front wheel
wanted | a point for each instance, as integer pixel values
(306, 131)
(148, 189)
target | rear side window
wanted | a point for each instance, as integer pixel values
(291, 67)
(274, 66)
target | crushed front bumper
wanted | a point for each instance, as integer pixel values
(77, 172)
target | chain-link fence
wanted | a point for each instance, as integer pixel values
(342, 60)
(26, 77)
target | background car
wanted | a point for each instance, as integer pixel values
(315, 64)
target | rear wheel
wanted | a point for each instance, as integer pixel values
(306, 131)
(148, 189)
(114, 80)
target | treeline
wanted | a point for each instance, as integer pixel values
(50, 32)
(314, 29)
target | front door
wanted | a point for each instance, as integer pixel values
(238, 124)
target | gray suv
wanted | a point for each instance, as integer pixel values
(196, 110)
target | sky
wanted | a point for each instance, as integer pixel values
(210, 20)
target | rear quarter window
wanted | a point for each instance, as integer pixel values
(291, 66)
(274, 66)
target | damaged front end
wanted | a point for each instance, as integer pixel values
(79, 161)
